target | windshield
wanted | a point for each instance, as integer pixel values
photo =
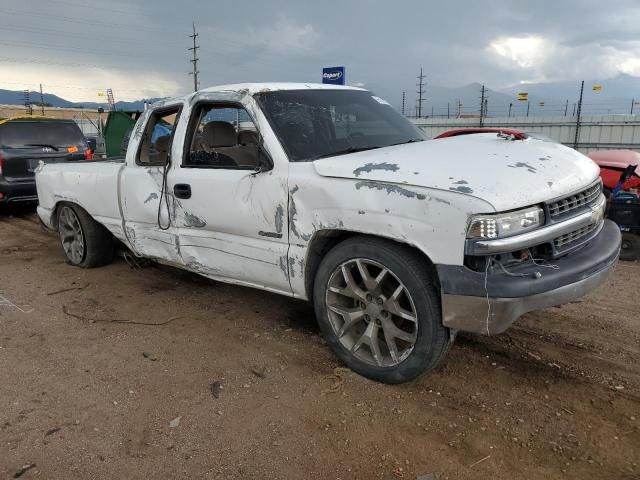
(314, 124)
(56, 134)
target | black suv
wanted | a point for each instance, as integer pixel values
(24, 141)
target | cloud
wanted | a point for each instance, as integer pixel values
(382, 44)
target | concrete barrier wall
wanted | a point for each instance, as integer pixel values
(597, 132)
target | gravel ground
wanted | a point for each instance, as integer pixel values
(108, 373)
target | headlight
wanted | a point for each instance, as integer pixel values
(502, 225)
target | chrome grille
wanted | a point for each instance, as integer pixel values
(572, 202)
(571, 237)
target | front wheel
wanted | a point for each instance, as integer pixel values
(378, 309)
(85, 242)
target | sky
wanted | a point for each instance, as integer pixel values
(78, 48)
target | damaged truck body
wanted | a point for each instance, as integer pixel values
(327, 194)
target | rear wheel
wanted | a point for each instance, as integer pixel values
(630, 248)
(379, 310)
(85, 242)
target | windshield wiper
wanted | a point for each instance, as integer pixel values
(344, 152)
(46, 145)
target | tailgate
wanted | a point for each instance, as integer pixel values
(20, 163)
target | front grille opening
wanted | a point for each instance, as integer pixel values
(478, 263)
(571, 237)
(573, 202)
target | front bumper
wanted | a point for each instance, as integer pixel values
(489, 303)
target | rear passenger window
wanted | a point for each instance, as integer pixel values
(155, 147)
(223, 136)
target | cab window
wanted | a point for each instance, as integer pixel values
(223, 136)
(155, 148)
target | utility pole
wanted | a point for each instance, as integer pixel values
(566, 107)
(420, 92)
(510, 105)
(633, 100)
(482, 106)
(41, 100)
(447, 109)
(403, 98)
(528, 105)
(459, 108)
(575, 142)
(195, 59)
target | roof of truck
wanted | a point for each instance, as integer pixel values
(253, 88)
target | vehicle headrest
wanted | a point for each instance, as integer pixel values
(219, 134)
(247, 137)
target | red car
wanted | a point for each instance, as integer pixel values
(612, 163)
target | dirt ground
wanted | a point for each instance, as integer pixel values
(108, 373)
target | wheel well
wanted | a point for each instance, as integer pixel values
(324, 240)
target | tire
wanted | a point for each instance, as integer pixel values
(630, 248)
(352, 323)
(85, 242)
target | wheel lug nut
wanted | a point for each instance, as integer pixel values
(384, 313)
(366, 317)
(380, 302)
(369, 298)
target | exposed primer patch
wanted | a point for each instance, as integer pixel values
(270, 234)
(293, 211)
(461, 189)
(386, 210)
(461, 182)
(292, 264)
(361, 212)
(369, 167)
(152, 196)
(416, 173)
(191, 220)
(390, 188)
(279, 219)
(550, 184)
(529, 168)
(282, 263)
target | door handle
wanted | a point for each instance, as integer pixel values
(182, 190)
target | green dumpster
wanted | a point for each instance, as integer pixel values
(117, 131)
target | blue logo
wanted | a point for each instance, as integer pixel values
(333, 75)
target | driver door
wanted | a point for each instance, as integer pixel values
(231, 213)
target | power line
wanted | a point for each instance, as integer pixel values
(40, 46)
(63, 18)
(194, 60)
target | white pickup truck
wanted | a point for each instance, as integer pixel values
(327, 194)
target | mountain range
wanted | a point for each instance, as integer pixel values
(554, 98)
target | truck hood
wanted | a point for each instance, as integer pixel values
(507, 174)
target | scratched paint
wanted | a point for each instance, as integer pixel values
(194, 221)
(390, 188)
(529, 168)
(152, 196)
(461, 189)
(369, 167)
(279, 219)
